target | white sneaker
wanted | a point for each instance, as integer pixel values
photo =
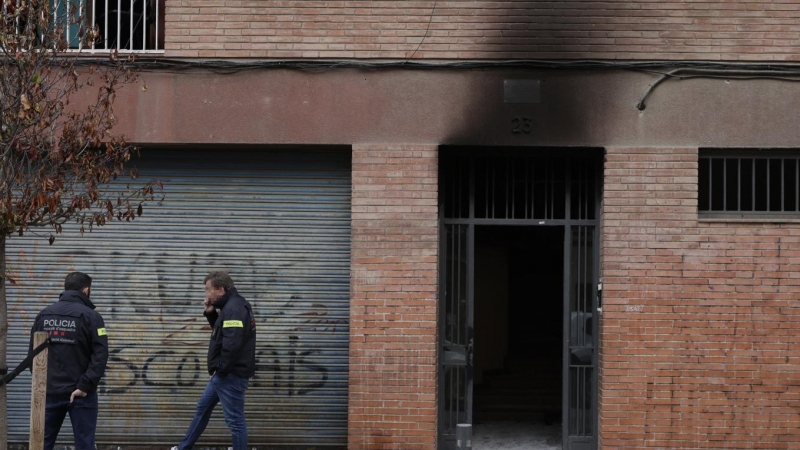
(174, 448)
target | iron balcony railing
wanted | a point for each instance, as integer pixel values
(129, 25)
(125, 26)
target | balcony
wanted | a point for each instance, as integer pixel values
(129, 25)
(126, 26)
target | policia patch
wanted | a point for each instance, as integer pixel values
(61, 330)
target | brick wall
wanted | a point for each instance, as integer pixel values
(701, 321)
(667, 29)
(394, 292)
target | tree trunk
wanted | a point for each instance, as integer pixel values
(3, 344)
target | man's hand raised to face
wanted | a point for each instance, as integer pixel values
(209, 306)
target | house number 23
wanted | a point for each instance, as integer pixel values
(521, 125)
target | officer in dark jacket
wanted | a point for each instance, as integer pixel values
(233, 341)
(76, 361)
(231, 360)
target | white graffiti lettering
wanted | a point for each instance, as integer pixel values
(59, 323)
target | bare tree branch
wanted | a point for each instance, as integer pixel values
(60, 162)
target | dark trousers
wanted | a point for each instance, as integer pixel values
(82, 413)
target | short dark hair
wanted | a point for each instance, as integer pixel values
(219, 279)
(76, 281)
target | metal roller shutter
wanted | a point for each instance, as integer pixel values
(279, 222)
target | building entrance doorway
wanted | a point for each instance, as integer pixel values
(519, 284)
(519, 332)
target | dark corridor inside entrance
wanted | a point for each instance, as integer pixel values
(518, 323)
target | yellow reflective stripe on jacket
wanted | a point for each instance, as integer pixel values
(101, 332)
(232, 324)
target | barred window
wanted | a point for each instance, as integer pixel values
(749, 183)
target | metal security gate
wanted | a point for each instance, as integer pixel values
(456, 332)
(279, 222)
(579, 398)
(508, 187)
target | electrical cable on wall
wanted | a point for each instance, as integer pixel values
(427, 28)
(663, 68)
(731, 74)
(667, 70)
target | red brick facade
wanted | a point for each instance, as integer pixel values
(698, 331)
(682, 29)
(394, 297)
(700, 320)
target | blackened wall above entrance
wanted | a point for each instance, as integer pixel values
(456, 107)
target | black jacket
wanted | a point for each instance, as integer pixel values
(78, 351)
(233, 341)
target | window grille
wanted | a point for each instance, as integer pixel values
(749, 183)
(127, 26)
(508, 184)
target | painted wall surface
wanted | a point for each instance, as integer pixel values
(349, 106)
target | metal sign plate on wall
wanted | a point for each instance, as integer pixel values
(522, 91)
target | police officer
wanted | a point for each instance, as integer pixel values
(231, 360)
(76, 361)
